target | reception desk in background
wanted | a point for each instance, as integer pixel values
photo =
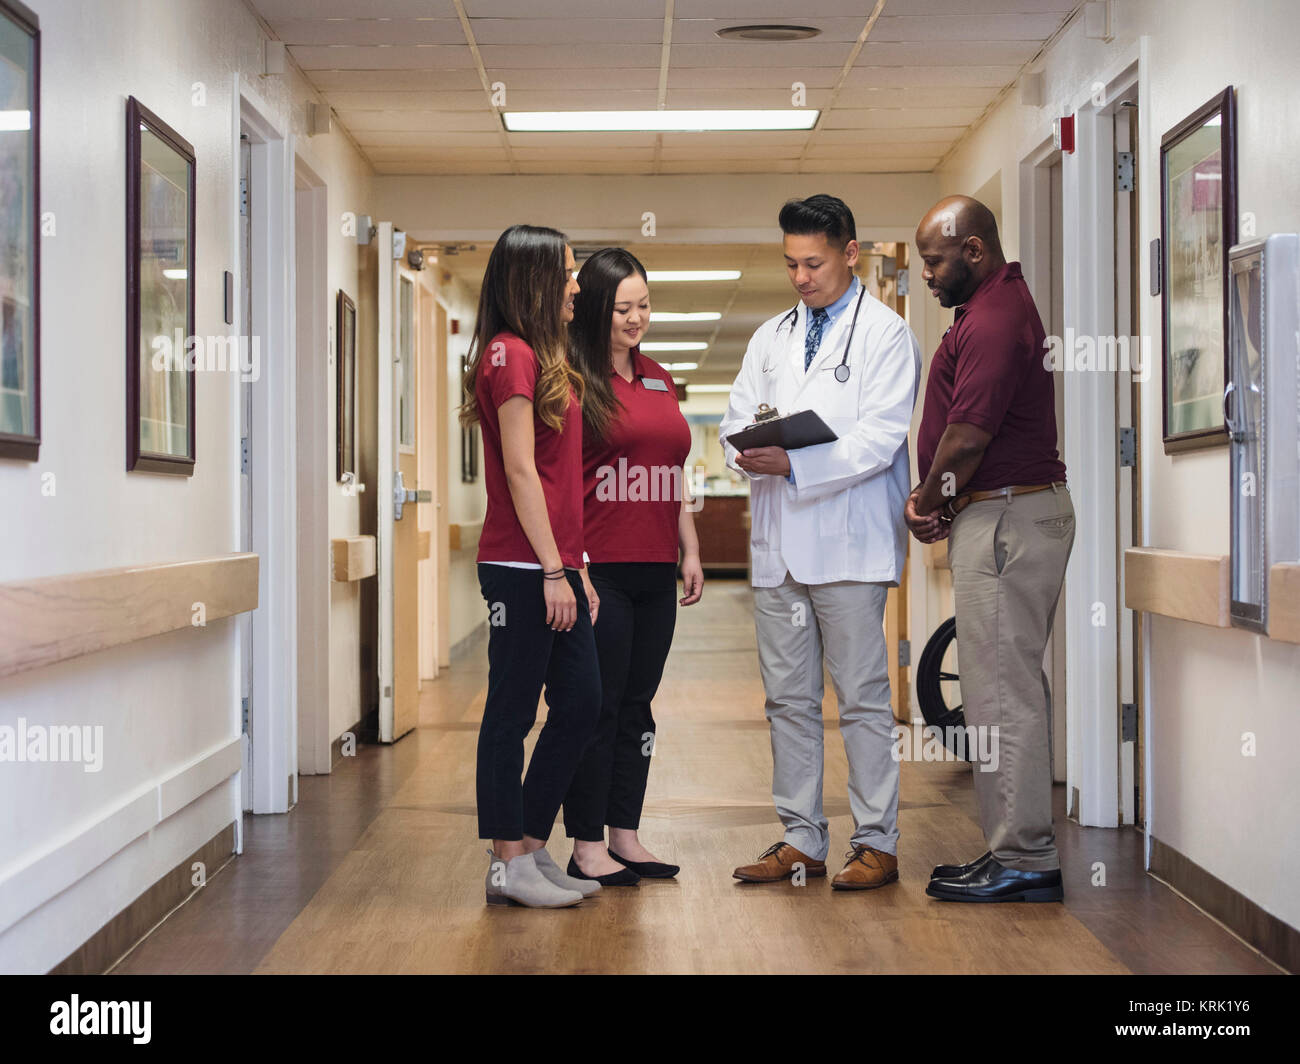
(722, 524)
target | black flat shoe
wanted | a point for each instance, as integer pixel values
(949, 871)
(996, 882)
(648, 869)
(625, 877)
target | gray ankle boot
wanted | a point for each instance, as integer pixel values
(557, 875)
(518, 881)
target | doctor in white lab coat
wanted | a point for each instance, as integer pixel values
(828, 540)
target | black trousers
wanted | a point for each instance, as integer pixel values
(523, 656)
(634, 630)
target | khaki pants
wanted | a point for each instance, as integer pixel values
(1008, 564)
(796, 624)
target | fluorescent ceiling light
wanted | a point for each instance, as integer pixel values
(659, 121)
(175, 275)
(719, 388)
(675, 345)
(681, 365)
(693, 275)
(662, 316)
(11, 121)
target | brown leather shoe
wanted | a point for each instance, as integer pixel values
(777, 863)
(866, 868)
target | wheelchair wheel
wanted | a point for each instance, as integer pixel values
(938, 688)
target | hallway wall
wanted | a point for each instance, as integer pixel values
(1209, 686)
(76, 847)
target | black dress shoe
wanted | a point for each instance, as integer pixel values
(648, 869)
(948, 871)
(996, 882)
(624, 877)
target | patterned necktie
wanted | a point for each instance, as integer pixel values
(814, 338)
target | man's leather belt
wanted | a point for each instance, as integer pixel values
(962, 501)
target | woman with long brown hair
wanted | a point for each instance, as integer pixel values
(635, 443)
(526, 397)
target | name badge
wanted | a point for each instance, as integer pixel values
(654, 384)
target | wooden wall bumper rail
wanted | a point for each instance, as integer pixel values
(465, 536)
(59, 617)
(354, 557)
(1196, 587)
(1190, 587)
(1284, 603)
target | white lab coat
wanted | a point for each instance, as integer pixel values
(842, 518)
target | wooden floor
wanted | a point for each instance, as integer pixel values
(378, 868)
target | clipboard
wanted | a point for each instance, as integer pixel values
(801, 429)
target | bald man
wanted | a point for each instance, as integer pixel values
(991, 479)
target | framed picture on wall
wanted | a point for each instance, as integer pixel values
(20, 248)
(345, 361)
(160, 205)
(1198, 224)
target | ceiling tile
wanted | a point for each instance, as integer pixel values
(745, 78)
(448, 121)
(553, 31)
(561, 79)
(409, 100)
(930, 75)
(280, 10)
(366, 31)
(382, 57)
(909, 27)
(763, 55)
(949, 53)
(464, 79)
(887, 118)
(563, 56)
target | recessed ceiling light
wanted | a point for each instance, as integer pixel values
(692, 275)
(660, 121)
(674, 345)
(769, 33)
(661, 317)
(673, 366)
(711, 388)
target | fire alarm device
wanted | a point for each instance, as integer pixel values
(1063, 134)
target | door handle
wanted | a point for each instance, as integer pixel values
(402, 495)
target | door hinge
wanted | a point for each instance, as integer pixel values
(243, 708)
(901, 283)
(1128, 722)
(243, 454)
(1124, 170)
(904, 653)
(243, 197)
(1128, 447)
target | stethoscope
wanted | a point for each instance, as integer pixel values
(842, 370)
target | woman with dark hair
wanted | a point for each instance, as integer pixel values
(520, 388)
(635, 442)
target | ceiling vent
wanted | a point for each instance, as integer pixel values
(769, 33)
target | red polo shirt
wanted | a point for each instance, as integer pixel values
(633, 479)
(988, 372)
(507, 368)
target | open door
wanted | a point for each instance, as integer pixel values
(397, 538)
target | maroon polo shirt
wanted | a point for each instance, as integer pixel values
(633, 479)
(988, 372)
(507, 368)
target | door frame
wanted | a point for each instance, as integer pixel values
(315, 471)
(1094, 572)
(274, 761)
(385, 464)
(1043, 262)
